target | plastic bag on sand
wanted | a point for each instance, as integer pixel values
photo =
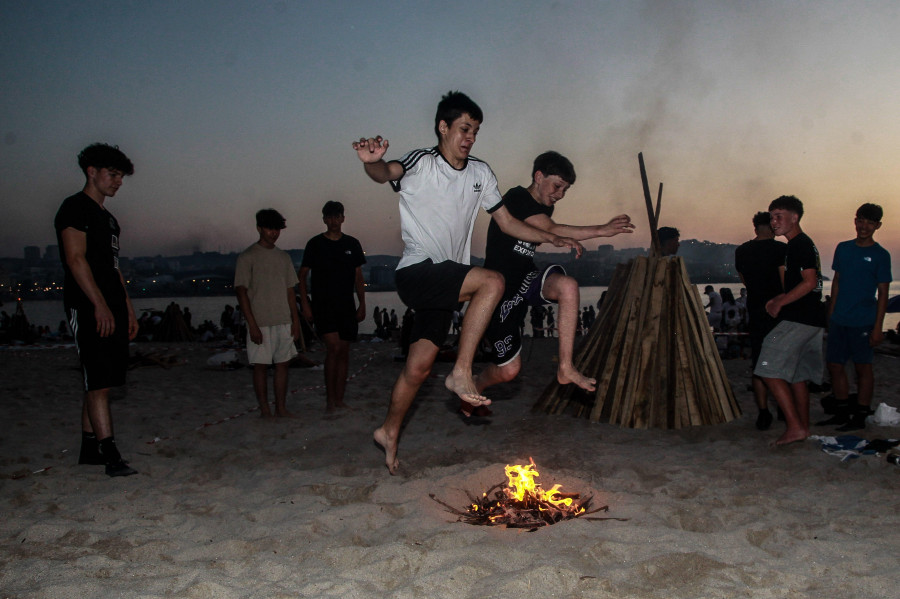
(228, 360)
(886, 415)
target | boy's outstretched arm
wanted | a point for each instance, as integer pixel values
(619, 224)
(524, 231)
(371, 152)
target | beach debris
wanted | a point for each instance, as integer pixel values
(651, 349)
(140, 359)
(227, 360)
(520, 502)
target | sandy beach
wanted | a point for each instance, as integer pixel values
(230, 505)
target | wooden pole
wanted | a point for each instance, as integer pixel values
(654, 237)
(658, 202)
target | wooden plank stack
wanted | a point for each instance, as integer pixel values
(651, 350)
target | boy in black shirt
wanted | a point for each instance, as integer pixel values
(526, 285)
(759, 262)
(97, 305)
(335, 260)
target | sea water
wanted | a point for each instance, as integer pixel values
(50, 312)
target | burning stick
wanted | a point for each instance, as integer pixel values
(523, 503)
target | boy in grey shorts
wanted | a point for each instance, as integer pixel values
(791, 353)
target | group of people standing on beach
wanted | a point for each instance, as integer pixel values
(441, 189)
(787, 318)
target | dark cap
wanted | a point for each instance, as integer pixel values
(269, 219)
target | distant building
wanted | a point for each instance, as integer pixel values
(32, 255)
(51, 254)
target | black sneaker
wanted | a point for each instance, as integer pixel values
(817, 388)
(764, 420)
(857, 421)
(841, 410)
(90, 453)
(120, 468)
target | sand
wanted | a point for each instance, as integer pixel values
(230, 505)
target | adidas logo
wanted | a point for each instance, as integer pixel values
(477, 187)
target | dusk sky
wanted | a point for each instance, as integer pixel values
(229, 107)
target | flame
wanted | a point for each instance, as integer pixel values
(522, 485)
(523, 503)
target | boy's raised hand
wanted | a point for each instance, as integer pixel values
(370, 150)
(619, 224)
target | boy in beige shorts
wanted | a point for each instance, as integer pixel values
(264, 282)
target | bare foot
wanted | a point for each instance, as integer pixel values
(465, 388)
(389, 445)
(339, 406)
(468, 410)
(568, 374)
(792, 436)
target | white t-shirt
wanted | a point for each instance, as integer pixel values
(438, 205)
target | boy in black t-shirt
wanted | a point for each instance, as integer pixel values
(552, 175)
(335, 260)
(759, 262)
(791, 354)
(97, 305)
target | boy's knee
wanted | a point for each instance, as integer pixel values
(494, 280)
(416, 374)
(561, 287)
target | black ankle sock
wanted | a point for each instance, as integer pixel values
(90, 449)
(110, 451)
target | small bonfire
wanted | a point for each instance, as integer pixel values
(520, 502)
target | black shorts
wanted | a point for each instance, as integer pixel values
(504, 332)
(432, 290)
(104, 360)
(330, 317)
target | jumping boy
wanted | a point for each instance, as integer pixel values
(862, 269)
(96, 302)
(551, 176)
(441, 190)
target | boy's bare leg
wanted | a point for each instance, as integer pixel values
(793, 399)
(261, 388)
(418, 365)
(95, 415)
(490, 376)
(280, 384)
(337, 357)
(840, 383)
(760, 392)
(865, 384)
(482, 288)
(564, 290)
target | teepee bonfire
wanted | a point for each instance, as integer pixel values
(650, 349)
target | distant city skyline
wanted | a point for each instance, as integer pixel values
(226, 108)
